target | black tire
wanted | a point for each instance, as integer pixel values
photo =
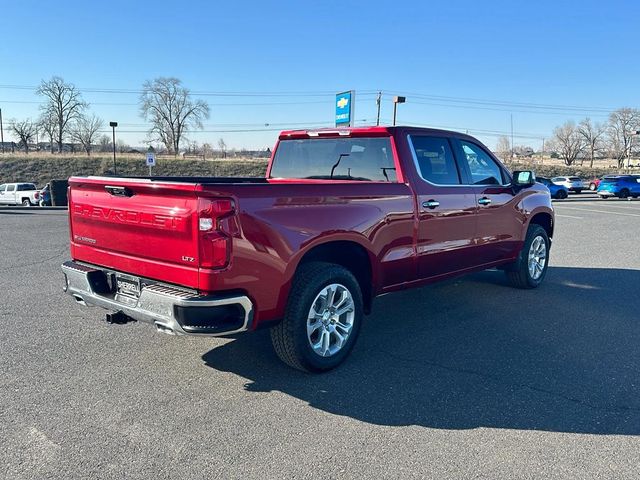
(624, 193)
(562, 194)
(578, 190)
(26, 202)
(289, 337)
(518, 272)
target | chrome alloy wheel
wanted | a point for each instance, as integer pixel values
(330, 320)
(537, 257)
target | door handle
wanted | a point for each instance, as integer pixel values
(430, 204)
(484, 201)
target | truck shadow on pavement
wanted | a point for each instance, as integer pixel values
(475, 353)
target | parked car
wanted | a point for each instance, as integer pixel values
(342, 216)
(45, 196)
(573, 184)
(556, 191)
(622, 186)
(594, 184)
(25, 194)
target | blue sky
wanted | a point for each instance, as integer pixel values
(463, 65)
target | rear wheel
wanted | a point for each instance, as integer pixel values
(592, 187)
(561, 194)
(578, 190)
(624, 193)
(530, 268)
(322, 318)
(26, 202)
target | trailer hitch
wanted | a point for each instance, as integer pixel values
(118, 318)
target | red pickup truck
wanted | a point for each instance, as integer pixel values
(342, 216)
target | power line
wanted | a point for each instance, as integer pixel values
(201, 93)
(504, 103)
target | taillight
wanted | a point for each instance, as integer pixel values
(36, 195)
(214, 238)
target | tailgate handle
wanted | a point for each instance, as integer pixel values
(119, 191)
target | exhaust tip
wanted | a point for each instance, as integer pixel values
(164, 329)
(80, 300)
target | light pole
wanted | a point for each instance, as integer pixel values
(396, 101)
(113, 125)
(1, 131)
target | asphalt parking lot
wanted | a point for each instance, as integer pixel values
(466, 379)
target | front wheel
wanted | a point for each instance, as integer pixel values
(530, 268)
(592, 187)
(322, 318)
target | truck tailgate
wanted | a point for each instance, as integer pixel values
(138, 226)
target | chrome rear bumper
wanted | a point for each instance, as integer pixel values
(171, 309)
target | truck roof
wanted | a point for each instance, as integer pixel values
(364, 131)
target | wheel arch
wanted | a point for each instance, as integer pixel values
(350, 254)
(545, 219)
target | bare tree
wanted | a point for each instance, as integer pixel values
(622, 125)
(168, 106)
(105, 143)
(48, 124)
(593, 135)
(64, 104)
(85, 131)
(503, 148)
(568, 142)
(25, 130)
(207, 150)
(223, 147)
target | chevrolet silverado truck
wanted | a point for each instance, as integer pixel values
(25, 194)
(342, 216)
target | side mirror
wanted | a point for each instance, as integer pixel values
(523, 178)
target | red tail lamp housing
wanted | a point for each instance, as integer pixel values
(216, 227)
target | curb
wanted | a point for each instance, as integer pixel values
(33, 208)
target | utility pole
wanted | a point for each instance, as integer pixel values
(512, 137)
(378, 101)
(113, 125)
(1, 131)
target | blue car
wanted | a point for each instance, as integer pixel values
(621, 186)
(556, 191)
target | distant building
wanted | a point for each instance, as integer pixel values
(8, 147)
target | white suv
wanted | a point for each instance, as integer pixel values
(573, 184)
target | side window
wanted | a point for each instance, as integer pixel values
(484, 170)
(2, 188)
(11, 188)
(434, 159)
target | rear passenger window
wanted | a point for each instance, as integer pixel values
(434, 159)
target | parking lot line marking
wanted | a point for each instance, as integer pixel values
(568, 216)
(602, 211)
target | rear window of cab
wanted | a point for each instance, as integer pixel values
(359, 158)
